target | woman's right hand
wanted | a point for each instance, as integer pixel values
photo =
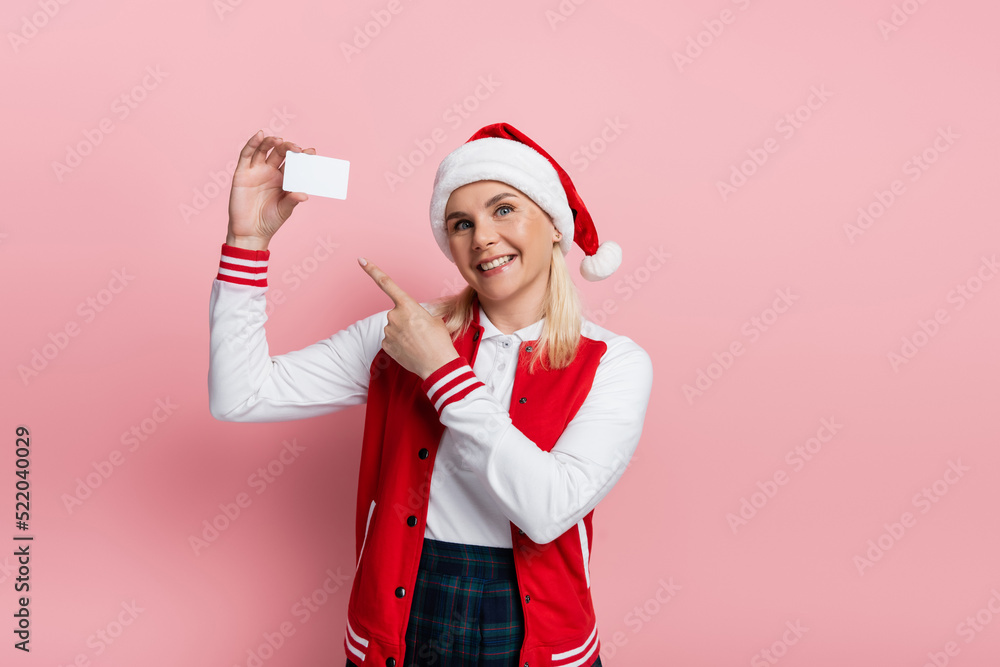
(257, 204)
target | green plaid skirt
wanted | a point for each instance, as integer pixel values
(466, 609)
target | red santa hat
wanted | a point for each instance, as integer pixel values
(499, 152)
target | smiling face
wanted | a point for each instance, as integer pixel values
(487, 220)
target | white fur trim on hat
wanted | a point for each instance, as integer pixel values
(508, 161)
(602, 263)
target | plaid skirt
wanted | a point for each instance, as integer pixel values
(466, 609)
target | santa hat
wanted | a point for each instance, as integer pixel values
(499, 152)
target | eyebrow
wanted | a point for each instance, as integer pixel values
(493, 200)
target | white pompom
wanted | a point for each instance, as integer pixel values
(602, 263)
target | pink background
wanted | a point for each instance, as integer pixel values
(142, 200)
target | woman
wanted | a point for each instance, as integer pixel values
(496, 419)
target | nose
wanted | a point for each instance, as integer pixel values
(484, 234)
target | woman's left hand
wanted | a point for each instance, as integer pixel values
(417, 340)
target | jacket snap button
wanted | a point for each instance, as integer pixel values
(390, 662)
(527, 349)
(423, 453)
(527, 598)
(520, 532)
(523, 399)
(475, 336)
(400, 592)
(411, 520)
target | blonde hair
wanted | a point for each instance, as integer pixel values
(561, 308)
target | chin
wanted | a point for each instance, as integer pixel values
(498, 293)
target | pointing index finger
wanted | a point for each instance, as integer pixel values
(384, 282)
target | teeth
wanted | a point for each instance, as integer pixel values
(496, 262)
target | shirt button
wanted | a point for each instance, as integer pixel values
(423, 453)
(411, 520)
(400, 592)
(502, 366)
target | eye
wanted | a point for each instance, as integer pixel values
(458, 225)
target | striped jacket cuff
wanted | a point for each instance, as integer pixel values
(450, 383)
(243, 266)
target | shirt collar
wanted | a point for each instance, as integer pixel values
(530, 332)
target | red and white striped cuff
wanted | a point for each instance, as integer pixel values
(450, 383)
(243, 266)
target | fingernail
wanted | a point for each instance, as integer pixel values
(362, 261)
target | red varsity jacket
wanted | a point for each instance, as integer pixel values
(401, 435)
